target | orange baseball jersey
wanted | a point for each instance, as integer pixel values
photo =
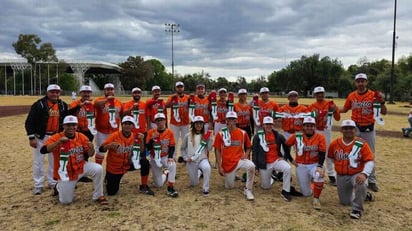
(102, 115)
(81, 115)
(244, 113)
(152, 108)
(167, 139)
(78, 146)
(339, 152)
(202, 107)
(272, 154)
(267, 109)
(293, 124)
(221, 111)
(232, 154)
(312, 146)
(183, 102)
(53, 122)
(141, 106)
(322, 109)
(117, 160)
(362, 107)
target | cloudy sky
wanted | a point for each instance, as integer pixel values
(227, 38)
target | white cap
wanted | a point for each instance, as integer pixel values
(179, 84)
(231, 114)
(222, 89)
(263, 89)
(242, 91)
(198, 119)
(268, 120)
(54, 87)
(108, 85)
(85, 88)
(348, 123)
(309, 120)
(70, 120)
(361, 76)
(159, 116)
(155, 87)
(318, 90)
(129, 119)
(136, 89)
(293, 93)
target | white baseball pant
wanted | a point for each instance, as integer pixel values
(192, 170)
(246, 165)
(38, 165)
(157, 172)
(280, 166)
(178, 132)
(305, 173)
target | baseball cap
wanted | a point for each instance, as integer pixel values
(155, 87)
(293, 93)
(108, 85)
(198, 119)
(136, 89)
(70, 120)
(318, 90)
(159, 116)
(200, 85)
(231, 114)
(129, 119)
(54, 87)
(242, 91)
(85, 88)
(180, 84)
(268, 120)
(222, 89)
(361, 76)
(309, 120)
(348, 123)
(264, 89)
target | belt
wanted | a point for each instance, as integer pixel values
(50, 133)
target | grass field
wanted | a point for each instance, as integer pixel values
(221, 210)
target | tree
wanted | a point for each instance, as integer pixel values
(136, 72)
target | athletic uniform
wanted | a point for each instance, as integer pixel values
(267, 109)
(244, 115)
(141, 107)
(80, 112)
(154, 106)
(202, 108)
(179, 128)
(292, 125)
(222, 109)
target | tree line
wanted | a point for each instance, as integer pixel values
(301, 75)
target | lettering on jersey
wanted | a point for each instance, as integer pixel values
(106, 110)
(165, 145)
(78, 152)
(235, 143)
(53, 112)
(312, 149)
(82, 113)
(222, 110)
(340, 155)
(245, 114)
(366, 106)
(124, 149)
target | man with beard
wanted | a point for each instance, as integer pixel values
(153, 106)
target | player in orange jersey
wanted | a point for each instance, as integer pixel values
(136, 108)
(221, 109)
(293, 122)
(266, 107)
(202, 106)
(366, 106)
(354, 163)
(108, 111)
(153, 106)
(326, 111)
(310, 155)
(69, 148)
(244, 113)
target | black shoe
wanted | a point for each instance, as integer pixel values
(355, 214)
(294, 192)
(369, 196)
(54, 191)
(373, 187)
(181, 160)
(171, 192)
(146, 190)
(404, 132)
(275, 175)
(332, 180)
(85, 179)
(286, 195)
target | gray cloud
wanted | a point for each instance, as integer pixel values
(222, 37)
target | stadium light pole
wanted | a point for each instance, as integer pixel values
(172, 28)
(393, 56)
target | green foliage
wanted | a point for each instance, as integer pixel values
(68, 82)
(29, 47)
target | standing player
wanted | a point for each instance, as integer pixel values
(354, 164)
(293, 122)
(363, 103)
(153, 106)
(232, 149)
(244, 113)
(195, 147)
(202, 106)
(161, 144)
(44, 120)
(310, 154)
(267, 156)
(120, 145)
(69, 148)
(326, 111)
(222, 109)
(137, 109)
(179, 116)
(266, 106)
(108, 111)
